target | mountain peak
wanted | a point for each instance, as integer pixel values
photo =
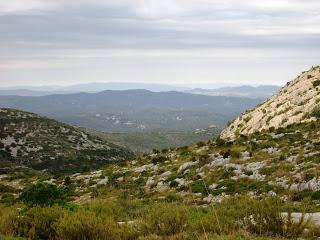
(295, 102)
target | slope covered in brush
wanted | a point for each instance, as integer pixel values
(28, 140)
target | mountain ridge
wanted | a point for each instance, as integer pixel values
(294, 103)
(133, 110)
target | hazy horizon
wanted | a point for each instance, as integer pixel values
(181, 42)
(129, 85)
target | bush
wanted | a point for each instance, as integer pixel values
(220, 142)
(165, 220)
(39, 222)
(316, 83)
(8, 199)
(84, 225)
(316, 112)
(44, 195)
(315, 195)
(259, 217)
(159, 159)
(300, 195)
(198, 187)
(267, 219)
(8, 220)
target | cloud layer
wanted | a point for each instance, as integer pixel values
(179, 41)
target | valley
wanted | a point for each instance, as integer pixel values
(253, 181)
(158, 119)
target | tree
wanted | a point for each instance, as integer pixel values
(44, 194)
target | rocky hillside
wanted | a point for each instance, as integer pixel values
(297, 102)
(28, 140)
(282, 163)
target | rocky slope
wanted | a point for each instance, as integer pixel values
(297, 102)
(28, 140)
(282, 163)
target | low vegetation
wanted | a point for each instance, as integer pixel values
(134, 219)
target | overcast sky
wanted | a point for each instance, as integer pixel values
(191, 42)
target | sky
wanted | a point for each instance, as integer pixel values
(181, 42)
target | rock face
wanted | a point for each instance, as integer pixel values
(29, 140)
(292, 104)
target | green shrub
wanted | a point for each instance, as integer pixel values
(201, 144)
(39, 222)
(6, 189)
(82, 225)
(159, 159)
(220, 142)
(198, 187)
(316, 83)
(267, 219)
(165, 220)
(315, 195)
(316, 112)
(8, 199)
(8, 220)
(247, 119)
(260, 217)
(44, 194)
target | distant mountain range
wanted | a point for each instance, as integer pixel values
(134, 110)
(263, 91)
(87, 87)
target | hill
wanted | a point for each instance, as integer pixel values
(297, 102)
(134, 110)
(28, 140)
(247, 91)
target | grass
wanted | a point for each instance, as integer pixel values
(235, 218)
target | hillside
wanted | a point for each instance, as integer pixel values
(145, 142)
(297, 102)
(208, 189)
(28, 140)
(258, 185)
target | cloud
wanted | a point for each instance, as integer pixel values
(24, 7)
(45, 31)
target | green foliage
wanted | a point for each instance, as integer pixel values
(7, 199)
(198, 187)
(316, 83)
(99, 220)
(315, 195)
(87, 225)
(316, 112)
(8, 220)
(247, 119)
(6, 189)
(39, 222)
(267, 219)
(165, 219)
(44, 195)
(300, 195)
(159, 159)
(220, 142)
